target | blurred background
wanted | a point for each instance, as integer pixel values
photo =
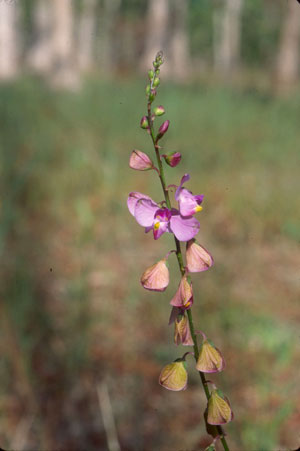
(81, 343)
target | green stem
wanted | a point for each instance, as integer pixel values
(181, 266)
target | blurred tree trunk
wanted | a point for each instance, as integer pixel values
(287, 68)
(64, 74)
(8, 39)
(108, 54)
(227, 36)
(179, 43)
(86, 35)
(156, 32)
(40, 57)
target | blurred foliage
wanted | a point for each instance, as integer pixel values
(74, 313)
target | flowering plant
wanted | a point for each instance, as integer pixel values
(161, 217)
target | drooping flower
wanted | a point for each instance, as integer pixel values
(140, 161)
(182, 333)
(149, 215)
(172, 158)
(188, 203)
(198, 259)
(183, 297)
(218, 408)
(156, 278)
(210, 359)
(174, 376)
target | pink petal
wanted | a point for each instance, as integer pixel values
(144, 212)
(183, 228)
(133, 197)
(185, 178)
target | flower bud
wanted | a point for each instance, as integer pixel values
(210, 359)
(182, 334)
(159, 110)
(174, 376)
(156, 278)
(211, 447)
(156, 82)
(163, 129)
(152, 95)
(198, 259)
(140, 161)
(218, 408)
(144, 122)
(148, 89)
(184, 295)
(172, 158)
(150, 74)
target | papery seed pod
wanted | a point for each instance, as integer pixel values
(140, 161)
(159, 110)
(174, 376)
(144, 122)
(210, 359)
(172, 158)
(183, 297)
(163, 129)
(198, 259)
(218, 408)
(182, 333)
(156, 278)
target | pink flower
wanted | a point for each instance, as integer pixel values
(184, 295)
(140, 161)
(198, 259)
(149, 215)
(188, 203)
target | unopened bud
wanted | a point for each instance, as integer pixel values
(156, 82)
(172, 158)
(163, 129)
(144, 122)
(174, 376)
(159, 110)
(156, 278)
(148, 89)
(210, 359)
(140, 161)
(150, 74)
(218, 408)
(152, 95)
(198, 259)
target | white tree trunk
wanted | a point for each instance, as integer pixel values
(65, 75)
(156, 33)
(227, 36)
(40, 57)
(8, 39)
(287, 70)
(179, 42)
(86, 35)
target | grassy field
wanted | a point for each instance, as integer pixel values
(74, 314)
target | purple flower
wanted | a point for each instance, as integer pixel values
(188, 203)
(149, 215)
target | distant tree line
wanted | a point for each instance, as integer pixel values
(63, 39)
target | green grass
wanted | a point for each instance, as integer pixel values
(72, 255)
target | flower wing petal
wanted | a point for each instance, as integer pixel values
(184, 228)
(144, 212)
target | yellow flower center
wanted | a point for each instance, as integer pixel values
(156, 226)
(198, 208)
